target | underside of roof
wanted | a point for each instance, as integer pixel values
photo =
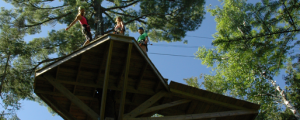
(113, 75)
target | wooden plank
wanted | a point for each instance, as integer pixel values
(164, 106)
(152, 66)
(106, 78)
(141, 76)
(146, 104)
(198, 116)
(122, 38)
(71, 97)
(62, 95)
(77, 77)
(130, 89)
(56, 107)
(72, 55)
(100, 68)
(137, 87)
(120, 76)
(78, 72)
(189, 95)
(122, 104)
(56, 75)
(192, 107)
(156, 89)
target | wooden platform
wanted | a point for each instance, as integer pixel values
(113, 75)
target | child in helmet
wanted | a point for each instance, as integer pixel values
(86, 30)
(143, 39)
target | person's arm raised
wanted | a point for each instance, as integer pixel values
(76, 19)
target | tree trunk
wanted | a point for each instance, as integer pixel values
(99, 18)
(4, 73)
(285, 101)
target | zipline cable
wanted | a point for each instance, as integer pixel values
(172, 55)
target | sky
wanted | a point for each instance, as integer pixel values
(175, 68)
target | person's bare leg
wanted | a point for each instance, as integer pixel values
(144, 48)
(122, 32)
(86, 42)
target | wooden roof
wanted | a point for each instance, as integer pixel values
(116, 66)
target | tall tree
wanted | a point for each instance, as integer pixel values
(165, 20)
(12, 72)
(252, 44)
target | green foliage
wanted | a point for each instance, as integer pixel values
(253, 43)
(193, 81)
(292, 88)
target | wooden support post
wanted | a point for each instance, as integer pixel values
(71, 97)
(122, 104)
(198, 116)
(106, 78)
(60, 110)
(145, 105)
(164, 106)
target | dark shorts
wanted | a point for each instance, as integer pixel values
(86, 30)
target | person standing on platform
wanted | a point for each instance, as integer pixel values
(143, 39)
(86, 30)
(119, 28)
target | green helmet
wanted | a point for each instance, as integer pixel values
(80, 8)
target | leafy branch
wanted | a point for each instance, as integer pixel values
(54, 18)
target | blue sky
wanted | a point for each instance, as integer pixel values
(174, 68)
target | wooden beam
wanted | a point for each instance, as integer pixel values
(204, 99)
(145, 105)
(198, 116)
(141, 76)
(131, 89)
(71, 97)
(56, 107)
(164, 106)
(168, 112)
(106, 78)
(122, 104)
(62, 95)
(192, 107)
